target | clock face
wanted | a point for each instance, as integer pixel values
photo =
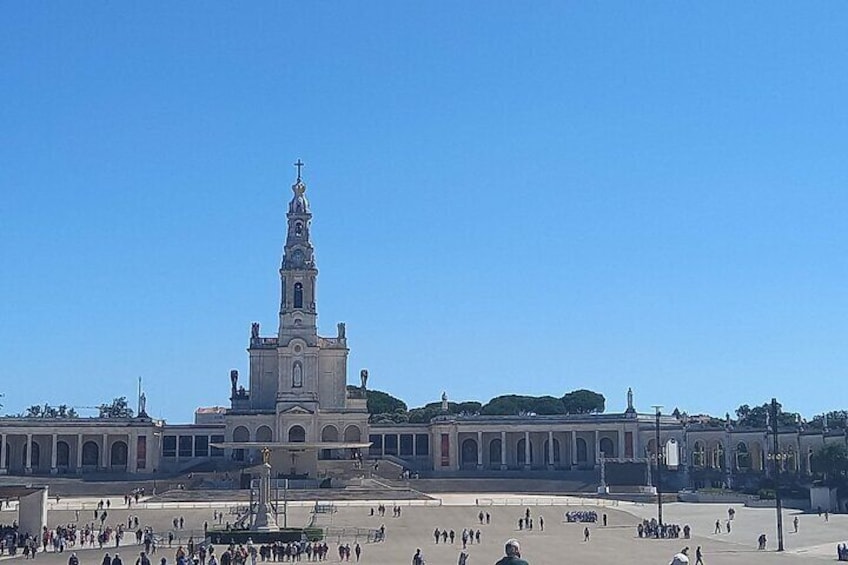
(297, 258)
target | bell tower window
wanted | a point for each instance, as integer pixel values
(298, 229)
(298, 295)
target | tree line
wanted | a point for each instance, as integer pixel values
(383, 407)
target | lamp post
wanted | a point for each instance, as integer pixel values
(658, 455)
(776, 456)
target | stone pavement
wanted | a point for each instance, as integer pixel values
(560, 542)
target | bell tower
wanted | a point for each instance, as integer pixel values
(298, 273)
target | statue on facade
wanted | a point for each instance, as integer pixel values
(363, 377)
(266, 456)
(142, 404)
(341, 331)
(254, 330)
(444, 401)
(630, 399)
(234, 381)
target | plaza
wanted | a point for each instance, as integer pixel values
(559, 542)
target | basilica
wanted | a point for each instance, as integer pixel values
(297, 407)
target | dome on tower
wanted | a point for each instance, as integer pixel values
(299, 204)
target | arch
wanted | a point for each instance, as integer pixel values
(298, 228)
(297, 434)
(699, 454)
(468, 457)
(241, 433)
(717, 460)
(582, 450)
(63, 454)
(36, 455)
(743, 458)
(607, 447)
(330, 434)
(556, 451)
(352, 434)
(519, 454)
(297, 374)
(90, 454)
(495, 448)
(298, 295)
(119, 454)
(264, 433)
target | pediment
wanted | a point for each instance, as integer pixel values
(296, 409)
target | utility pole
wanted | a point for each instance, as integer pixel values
(658, 409)
(775, 458)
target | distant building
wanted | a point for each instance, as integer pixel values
(297, 404)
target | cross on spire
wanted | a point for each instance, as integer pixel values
(299, 166)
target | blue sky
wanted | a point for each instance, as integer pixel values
(509, 197)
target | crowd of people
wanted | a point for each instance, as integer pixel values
(653, 529)
(589, 516)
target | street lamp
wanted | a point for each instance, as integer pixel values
(775, 457)
(659, 457)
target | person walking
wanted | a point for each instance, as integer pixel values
(699, 557)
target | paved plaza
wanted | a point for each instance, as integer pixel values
(560, 542)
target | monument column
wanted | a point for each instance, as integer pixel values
(503, 451)
(79, 453)
(526, 450)
(54, 455)
(479, 450)
(2, 454)
(550, 449)
(29, 454)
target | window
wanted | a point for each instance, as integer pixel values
(298, 295)
(390, 444)
(185, 446)
(201, 446)
(216, 451)
(169, 446)
(422, 444)
(405, 444)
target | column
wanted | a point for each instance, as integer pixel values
(415, 445)
(503, 451)
(479, 449)
(597, 448)
(2, 454)
(53, 455)
(29, 453)
(382, 445)
(573, 448)
(79, 452)
(550, 449)
(526, 450)
(104, 460)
